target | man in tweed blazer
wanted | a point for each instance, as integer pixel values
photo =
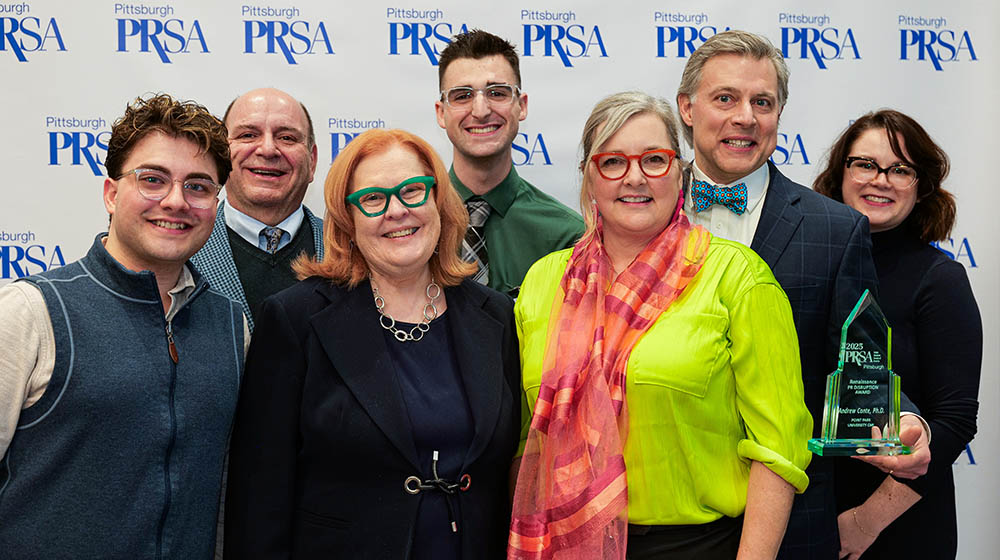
(262, 226)
(730, 98)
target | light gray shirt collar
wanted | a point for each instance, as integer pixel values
(249, 228)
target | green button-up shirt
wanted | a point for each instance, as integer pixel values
(714, 384)
(524, 225)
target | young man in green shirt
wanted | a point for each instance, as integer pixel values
(512, 224)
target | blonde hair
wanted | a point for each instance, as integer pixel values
(613, 112)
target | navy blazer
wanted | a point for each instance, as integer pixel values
(322, 443)
(820, 252)
(216, 264)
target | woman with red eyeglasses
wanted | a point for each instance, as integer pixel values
(662, 369)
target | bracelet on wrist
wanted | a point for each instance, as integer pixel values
(854, 512)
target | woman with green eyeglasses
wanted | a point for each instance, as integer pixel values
(380, 408)
(887, 167)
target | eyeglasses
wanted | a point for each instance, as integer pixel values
(496, 95)
(154, 184)
(864, 170)
(615, 165)
(374, 201)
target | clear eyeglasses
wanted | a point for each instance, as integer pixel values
(374, 201)
(615, 165)
(199, 192)
(494, 94)
(864, 170)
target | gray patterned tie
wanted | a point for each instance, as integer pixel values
(474, 245)
(273, 236)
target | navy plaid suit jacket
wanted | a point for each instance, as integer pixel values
(215, 260)
(820, 252)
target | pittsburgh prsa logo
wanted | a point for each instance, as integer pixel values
(78, 141)
(932, 40)
(811, 37)
(551, 35)
(152, 29)
(345, 129)
(682, 34)
(23, 33)
(283, 31)
(21, 254)
(420, 32)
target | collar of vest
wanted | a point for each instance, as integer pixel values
(115, 277)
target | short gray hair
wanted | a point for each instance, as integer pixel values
(612, 112)
(731, 42)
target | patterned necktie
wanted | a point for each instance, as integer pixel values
(273, 236)
(474, 245)
(704, 195)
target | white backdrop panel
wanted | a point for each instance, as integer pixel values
(70, 67)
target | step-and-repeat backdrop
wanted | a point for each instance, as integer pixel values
(70, 67)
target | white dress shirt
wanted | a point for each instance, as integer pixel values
(722, 221)
(250, 228)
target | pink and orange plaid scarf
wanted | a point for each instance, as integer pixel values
(571, 497)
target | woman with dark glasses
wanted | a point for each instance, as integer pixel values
(380, 408)
(887, 167)
(662, 368)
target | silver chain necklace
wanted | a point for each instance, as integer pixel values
(433, 292)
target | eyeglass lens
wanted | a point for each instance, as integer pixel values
(652, 164)
(155, 185)
(413, 194)
(496, 94)
(899, 175)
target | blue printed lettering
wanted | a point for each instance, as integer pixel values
(149, 31)
(289, 39)
(26, 35)
(83, 146)
(936, 46)
(578, 42)
(820, 45)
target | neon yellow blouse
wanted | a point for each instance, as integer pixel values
(714, 384)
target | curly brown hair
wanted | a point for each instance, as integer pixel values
(179, 119)
(934, 213)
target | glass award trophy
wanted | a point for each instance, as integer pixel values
(863, 392)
